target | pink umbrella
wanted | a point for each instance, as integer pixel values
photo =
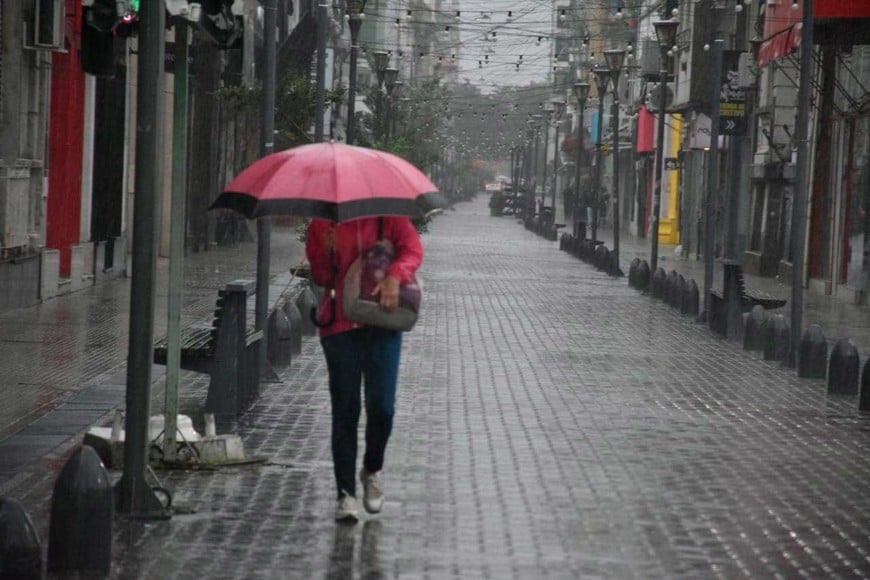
(332, 181)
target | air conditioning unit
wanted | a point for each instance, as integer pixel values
(653, 99)
(44, 28)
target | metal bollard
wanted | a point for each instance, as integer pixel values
(294, 317)
(776, 338)
(632, 272)
(658, 283)
(812, 353)
(305, 302)
(752, 330)
(691, 299)
(670, 287)
(80, 538)
(20, 550)
(843, 368)
(642, 276)
(864, 397)
(279, 349)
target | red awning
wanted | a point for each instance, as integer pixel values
(783, 23)
(781, 31)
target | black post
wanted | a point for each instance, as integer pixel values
(596, 194)
(546, 154)
(614, 123)
(555, 169)
(354, 23)
(320, 92)
(578, 160)
(799, 207)
(133, 493)
(713, 169)
(264, 224)
(659, 167)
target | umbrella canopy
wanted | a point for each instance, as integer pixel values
(331, 181)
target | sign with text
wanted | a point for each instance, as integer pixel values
(732, 97)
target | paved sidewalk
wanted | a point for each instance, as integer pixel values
(837, 317)
(552, 423)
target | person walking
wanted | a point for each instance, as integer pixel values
(360, 356)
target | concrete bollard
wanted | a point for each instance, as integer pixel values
(294, 317)
(632, 272)
(305, 302)
(752, 329)
(279, 349)
(843, 368)
(813, 353)
(775, 338)
(563, 242)
(80, 537)
(20, 550)
(691, 299)
(658, 283)
(864, 397)
(642, 276)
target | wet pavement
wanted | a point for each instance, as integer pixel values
(551, 422)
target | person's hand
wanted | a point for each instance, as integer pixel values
(388, 289)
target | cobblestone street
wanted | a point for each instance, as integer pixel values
(551, 423)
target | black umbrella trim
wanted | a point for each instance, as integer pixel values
(251, 207)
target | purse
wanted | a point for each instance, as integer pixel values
(364, 274)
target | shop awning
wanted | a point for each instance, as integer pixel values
(782, 23)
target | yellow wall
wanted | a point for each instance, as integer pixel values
(669, 228)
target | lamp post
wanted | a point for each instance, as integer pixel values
(548, 117)
(615, 58)
(398, 88)
(602, 77)
(666, 34)
(581, 92)
(390, 78)
(355, 9)
(558, 109)
(382, 61)
(531, 141)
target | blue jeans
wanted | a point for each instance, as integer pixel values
(372, 354)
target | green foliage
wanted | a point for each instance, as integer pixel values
(295, 108)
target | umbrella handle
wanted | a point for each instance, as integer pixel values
(329, 322)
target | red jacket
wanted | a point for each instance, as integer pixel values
(351, 239)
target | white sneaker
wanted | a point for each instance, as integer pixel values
(373, 495)
(346, 510)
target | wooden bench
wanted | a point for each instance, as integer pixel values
(227, 349)
(733, 285)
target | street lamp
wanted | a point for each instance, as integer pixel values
(381, 61)
(666, 34)
(581, 92)
(394, 91)
(390, 76)
(558, 109)
(355, 9)
(602, 77)
(615, 59)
